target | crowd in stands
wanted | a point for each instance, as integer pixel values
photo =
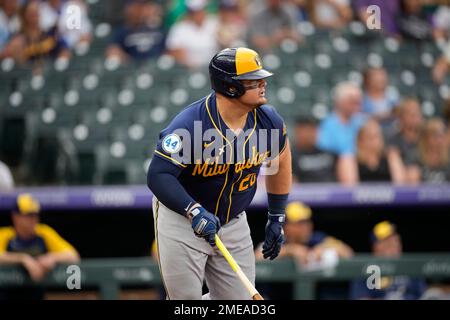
(354, 143)
(192, 30)
(371, 134)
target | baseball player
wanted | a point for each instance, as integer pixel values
(35, 246)
(204, 174)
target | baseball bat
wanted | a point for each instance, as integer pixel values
(233, 264)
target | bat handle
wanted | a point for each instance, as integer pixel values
(257, 297)
(245, 281)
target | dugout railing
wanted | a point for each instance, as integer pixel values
(110, 275)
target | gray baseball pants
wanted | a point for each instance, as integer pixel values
(185, 260)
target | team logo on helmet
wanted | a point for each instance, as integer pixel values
(258, 61)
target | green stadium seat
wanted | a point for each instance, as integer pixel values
(87, 162)
(430, 47)
(112, 113)
(136, 172)
(430, 94)
(44, 162)
(12, 139)
(321, 94)
(323, 45)
(111, 165)
(305, 61)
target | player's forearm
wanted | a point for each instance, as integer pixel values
(347, 170)
(396, 166)
(279, 185)
(281, 182)
(68, 256)
(342, 249)
(12, 258)
(162, 181)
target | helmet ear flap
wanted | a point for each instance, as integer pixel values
(227, 86)
(222, 70)
(236, 89)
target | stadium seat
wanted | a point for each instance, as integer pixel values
(99, 103)
(12, 139)
(136, 172)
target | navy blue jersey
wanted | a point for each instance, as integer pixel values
(141, 42)
(219, 169)
(392, 288)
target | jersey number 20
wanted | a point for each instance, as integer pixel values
(247, 182)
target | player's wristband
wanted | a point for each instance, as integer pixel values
(277, 206)
(281, 218)
(191, 212)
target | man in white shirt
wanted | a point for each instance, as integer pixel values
(193, 40)
(441, 22)
(9, 20)
(57, 13)
(331, 14)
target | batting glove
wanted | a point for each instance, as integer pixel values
(205, 224)
(274, 236)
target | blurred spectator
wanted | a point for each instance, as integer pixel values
(141, 37)
(152, 12)
(331, 14)
(413, 21)
(6, 179)
(33, 44)
(388, 13)
(271, 25)
(387, 243)
(433, 165)
(37, 247)
(437, 291)
(309, 247)
(337, 132)
(193, 40)
(309, 162)
(372, 163)
(441, 21)
(49, 11)
(232, 30)
(303, 9)
(404, 135)
(58, 13)
(442, 65)
(446, 113)
(75, 36)
(9, 20)
(175, 10)
(377, 101)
